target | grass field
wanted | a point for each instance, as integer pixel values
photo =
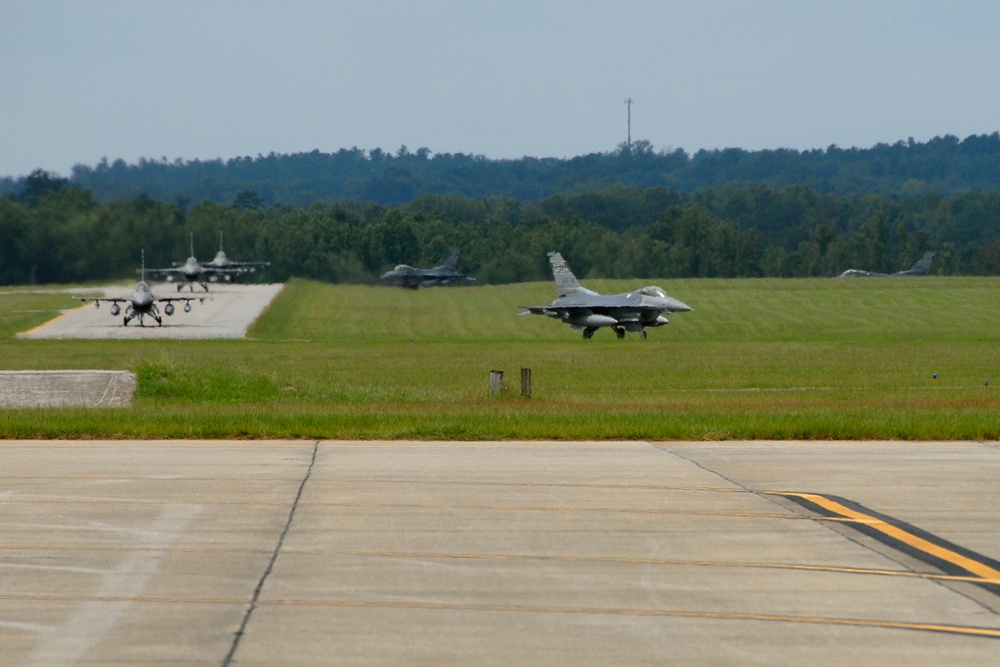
(776, 359)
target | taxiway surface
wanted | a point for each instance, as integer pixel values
(540, 553)
(227, 312)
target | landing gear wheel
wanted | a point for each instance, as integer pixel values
(619, 332)
(643, 334)
(588, 332)
(124, 321)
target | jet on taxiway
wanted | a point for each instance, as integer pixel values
(142, 302)
(921, 268)
(585, 309)
(191, 272)
(411, 278)
(221, 261)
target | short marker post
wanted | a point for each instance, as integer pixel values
(496, 378)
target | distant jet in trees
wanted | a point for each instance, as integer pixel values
(921, 268)
(406, 276)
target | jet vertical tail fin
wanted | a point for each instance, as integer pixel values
(923, 265)
(566, 282)
(452, 260)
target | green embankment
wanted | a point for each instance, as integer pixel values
(782, 359)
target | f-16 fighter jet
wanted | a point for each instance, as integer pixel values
(585, 309)
(142, 302)
(411, 278)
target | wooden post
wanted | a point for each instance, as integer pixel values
(496, 378)
(525, 383)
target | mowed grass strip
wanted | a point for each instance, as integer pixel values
(824, 358)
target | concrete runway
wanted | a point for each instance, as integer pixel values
(227, 312)
(540, 553)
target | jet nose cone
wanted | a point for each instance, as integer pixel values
(677, 306)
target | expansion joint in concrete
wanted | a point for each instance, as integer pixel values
(270, 565)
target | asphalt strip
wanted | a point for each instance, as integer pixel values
(227, 311)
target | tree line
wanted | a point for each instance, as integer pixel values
(943, 164)
(55, 232)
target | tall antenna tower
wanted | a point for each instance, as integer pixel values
(628, 105)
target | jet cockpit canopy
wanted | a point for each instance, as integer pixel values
(653, 291)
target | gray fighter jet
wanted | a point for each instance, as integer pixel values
(141, 302)
(411, 278)
(585, 309)
(221, 261)
(191, 272)
(921, 268)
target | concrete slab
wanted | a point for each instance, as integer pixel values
(388, 553)
(227, 312)
(61, 389)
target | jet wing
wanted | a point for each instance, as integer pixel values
(168, 299)
(109, 299)
(542, 310)
(173, 269)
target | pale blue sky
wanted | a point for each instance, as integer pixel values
(86, 79)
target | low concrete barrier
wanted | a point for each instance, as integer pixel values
(59, 389)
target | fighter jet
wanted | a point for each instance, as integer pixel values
(142, 302)
(411, 278)
(221, 261)
(192, 272)
(585, 309)
(921, 268)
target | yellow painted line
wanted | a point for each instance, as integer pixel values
(663, 613)
(539, 485)
(556, 508)
(981, 570)
(993, 633)
(427, 555)
(45, 325)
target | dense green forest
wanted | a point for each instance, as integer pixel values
(55, 231)
(945, 165)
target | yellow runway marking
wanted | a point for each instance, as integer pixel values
(422, 555)
(663, 613)
(981, 570)
(629, 561)
(541, 485)
(559, 508)
(993, 633)
(45, 325)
